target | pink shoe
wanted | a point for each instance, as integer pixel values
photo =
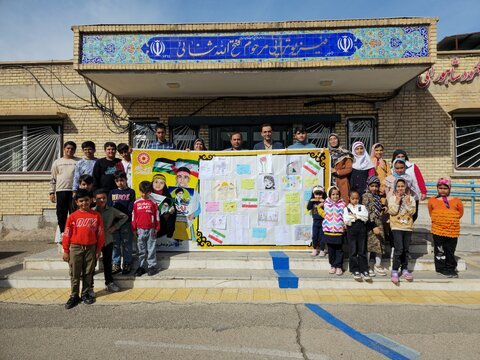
(407, 275)
(339, 271)
(322, 253)
(314, 252)
(394, 277)
(331, 271)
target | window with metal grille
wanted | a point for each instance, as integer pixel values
(467, 142)
(29, 148)
(362, 129)
(318, 134)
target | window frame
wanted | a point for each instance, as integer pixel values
(374, 122)
(24, 125)
(456, 117)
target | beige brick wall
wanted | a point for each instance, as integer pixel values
(416, 120)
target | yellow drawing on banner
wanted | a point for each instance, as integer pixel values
(247, 184)
(230, 206)
(292, 213)
(292, 197)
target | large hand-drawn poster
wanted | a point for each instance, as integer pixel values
(234, 200)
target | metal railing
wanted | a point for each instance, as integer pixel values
(466, 194)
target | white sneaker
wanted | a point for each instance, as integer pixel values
(112, 287)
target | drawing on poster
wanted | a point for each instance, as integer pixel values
(212, 206)
(224, 190)
(303, 234)
(267, 216)
(243, 169)
(217, 236)
(230, 206)
(181, 198)
(249, 203)
(292, 197)
(259, 232)
(265, 164)
(206, 170)
(310, 181)
(239, 221)
(292, 213)
(292, 182)
(217, 221)
(294, 164)
(221, 166)
(312, 166)
(247, 184)
(266, 182)
(307, 195)
(268, 198)
(282, 235)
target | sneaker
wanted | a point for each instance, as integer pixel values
(444, 274)
(366, 276)
(112, 287)
(73, 301)
(331, 271)
(140, 271)
(116, 269)
(371, 273)
(314, 252)
(322, 253)
(87, 299)
(91, 292)
(380, 270)
(407, 275)
(357, 275)
(454, 275)
(152, 271)
(339, 271)
(394, 277)
(126, 269)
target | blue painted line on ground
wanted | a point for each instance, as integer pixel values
(281, 265)
(402, 349)
(354, 334)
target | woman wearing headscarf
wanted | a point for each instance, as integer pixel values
(362, 168)
(341, 162)
(413, 170)
(381, 166)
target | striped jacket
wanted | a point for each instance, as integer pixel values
(333, 221)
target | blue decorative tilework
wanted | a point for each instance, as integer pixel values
(350, 44)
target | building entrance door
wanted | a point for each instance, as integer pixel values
(220, 135)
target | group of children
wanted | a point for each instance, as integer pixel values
(378, 209)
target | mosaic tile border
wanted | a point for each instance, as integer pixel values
(234, 47)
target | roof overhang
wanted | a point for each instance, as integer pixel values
(256, 59)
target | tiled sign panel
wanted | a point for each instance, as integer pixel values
(345, 44)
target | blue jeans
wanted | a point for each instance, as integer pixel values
(122, 243)
(147, 247)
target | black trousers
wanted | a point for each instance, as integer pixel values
(357, 245)
(335, 255)
(317, 235)
(444, 254)
(401, 253)
(64, 206)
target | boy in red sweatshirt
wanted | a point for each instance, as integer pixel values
(145, 225)
(82, 243)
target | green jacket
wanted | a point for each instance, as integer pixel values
(109, 215)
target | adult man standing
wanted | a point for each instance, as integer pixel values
(63, 170)
(267, 143)
(236, 140)
(161, 143)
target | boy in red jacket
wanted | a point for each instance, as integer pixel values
(145, 225)
(82, 243)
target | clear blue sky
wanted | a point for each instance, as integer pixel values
(41, 29)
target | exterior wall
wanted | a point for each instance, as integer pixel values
(416, 120)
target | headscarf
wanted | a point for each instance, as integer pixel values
(376, 198)
(337, 153)
(361, 162)
(394, 172)
(398, 152)
(202, 141)
(409, 169)
(447, 182)
(377, 161)
(318, 188)
(401, 206)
